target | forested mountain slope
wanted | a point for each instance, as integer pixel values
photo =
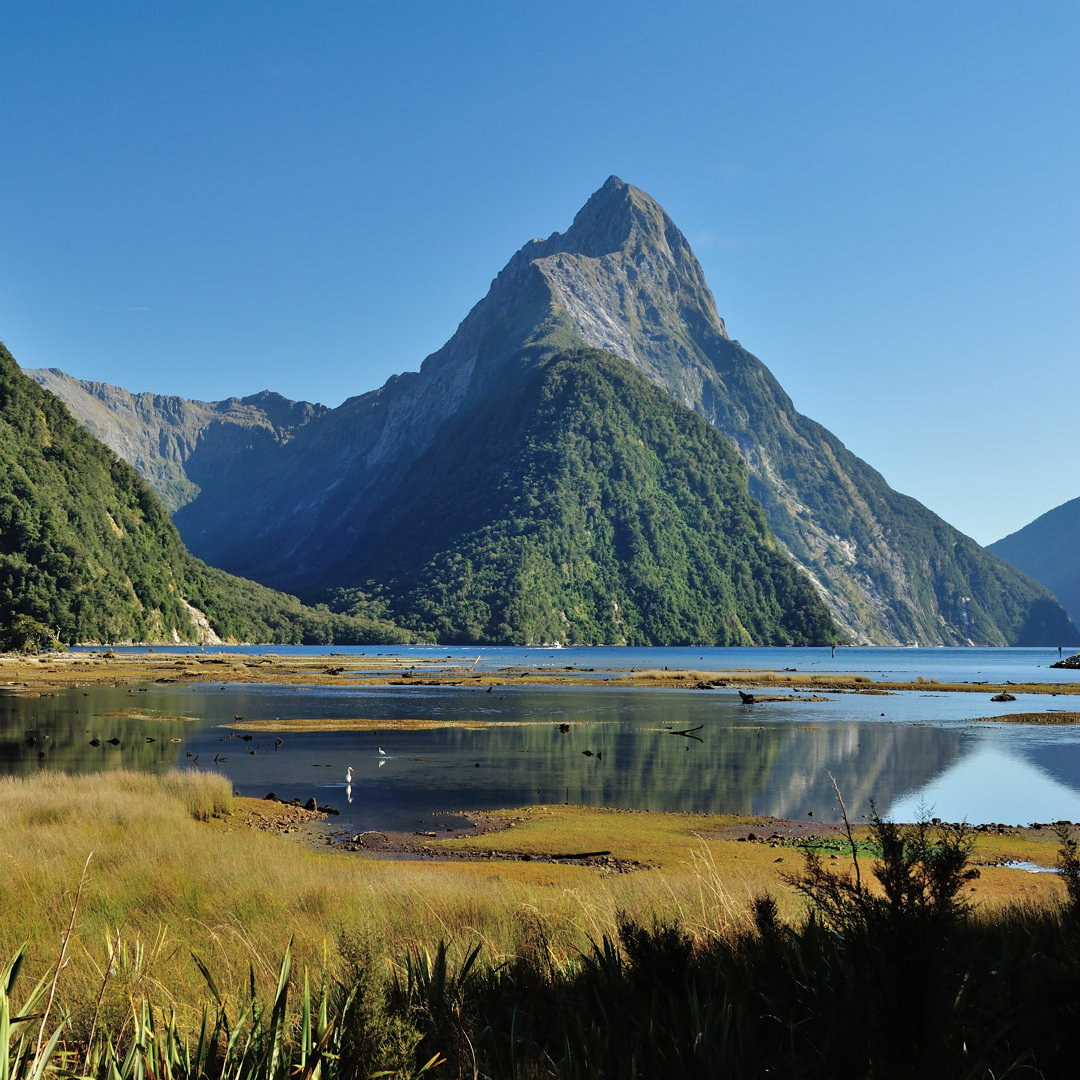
(582, 504)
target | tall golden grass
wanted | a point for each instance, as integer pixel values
(171, 876)
(164, 884)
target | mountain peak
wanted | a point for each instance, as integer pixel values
(622, 275)
(628, 280)
(618, 217)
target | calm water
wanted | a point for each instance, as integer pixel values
(881, 665)
(910, 751)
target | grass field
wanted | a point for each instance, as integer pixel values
(504, 950)
(425, 959)
(172, 871)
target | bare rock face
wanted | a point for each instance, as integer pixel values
(204, 632)
(628, 279)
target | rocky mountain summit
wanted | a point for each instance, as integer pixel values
(308, 512)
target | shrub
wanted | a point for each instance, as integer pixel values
(26, 635)
(922, 870)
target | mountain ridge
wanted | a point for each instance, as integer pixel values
(160, 433)
(1045, 549)
(87, 549)
(623, 279)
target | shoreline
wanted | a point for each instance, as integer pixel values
(53, 671)
(607, 841)
(1010, 861)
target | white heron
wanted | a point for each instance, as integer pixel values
(382, 752)
(348, 775)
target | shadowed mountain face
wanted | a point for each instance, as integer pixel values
(1046, 550)
(309, 512)
(583, 504)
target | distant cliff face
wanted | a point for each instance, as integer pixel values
(622, 280)
(172, 441)
(1047, 551)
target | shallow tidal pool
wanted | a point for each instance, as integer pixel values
(421, 752)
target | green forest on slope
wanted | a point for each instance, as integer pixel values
(88, 550)
(583, 505)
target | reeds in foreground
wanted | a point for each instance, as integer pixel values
(204, 795)
(895, 980)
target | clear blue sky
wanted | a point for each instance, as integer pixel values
(215, 199)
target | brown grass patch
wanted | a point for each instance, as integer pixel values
(1033, 718)
(303, 724)
(142, 714)
(76, 669)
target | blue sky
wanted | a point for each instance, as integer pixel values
(215, 199)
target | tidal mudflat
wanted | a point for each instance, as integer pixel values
(437, 736)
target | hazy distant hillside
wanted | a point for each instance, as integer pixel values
(172, 442)
(87, 549)
(1047, 550)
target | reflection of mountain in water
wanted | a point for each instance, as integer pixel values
(996, 782)
(869, 761)
(1063, 766)
(739, 767)
(743, 761)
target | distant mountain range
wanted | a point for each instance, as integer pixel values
(173, 442)
(530, 483)
(580, 503)
(1047, 550)
(87, 551)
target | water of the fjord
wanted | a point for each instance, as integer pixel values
(911, 752)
